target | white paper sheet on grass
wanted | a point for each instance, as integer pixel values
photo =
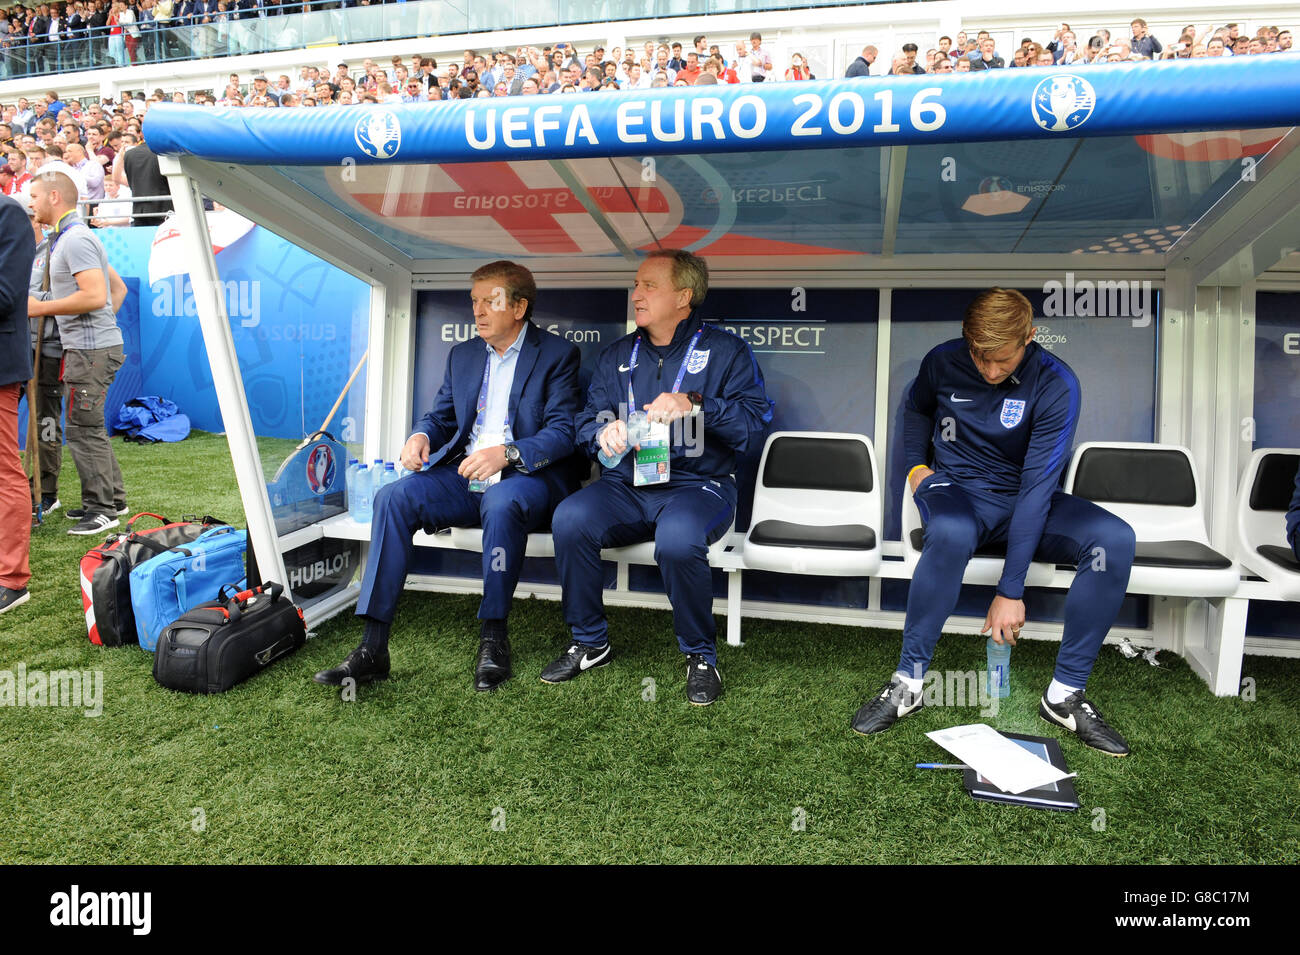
(1006, 765)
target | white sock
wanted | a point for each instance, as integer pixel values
(913, 684)
(1057, 692)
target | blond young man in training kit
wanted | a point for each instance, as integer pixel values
(1015, 407)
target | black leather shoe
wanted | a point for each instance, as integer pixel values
(1078, 715)
(578, 658)
(703, 684)
(493, 667)
(890, 704)
(363, 665)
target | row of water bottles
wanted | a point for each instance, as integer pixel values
(364, 482)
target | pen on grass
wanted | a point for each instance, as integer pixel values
(942, 766)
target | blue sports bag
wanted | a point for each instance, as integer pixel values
(164, 587)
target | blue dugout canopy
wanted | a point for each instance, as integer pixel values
(890, 197)
(1114, 159)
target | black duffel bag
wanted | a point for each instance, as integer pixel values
(221, 643)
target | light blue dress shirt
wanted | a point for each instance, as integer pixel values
(500, 378)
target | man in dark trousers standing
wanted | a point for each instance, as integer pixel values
(16, 252)
(49, 379)
(496, 451)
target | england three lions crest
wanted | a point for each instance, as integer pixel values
(697, 362)
(1013, 409)
(1063, 102)
(378, 133)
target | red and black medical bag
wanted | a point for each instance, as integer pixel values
(106, 574)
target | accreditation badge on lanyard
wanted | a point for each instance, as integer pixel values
(652, 465)
(487, 439)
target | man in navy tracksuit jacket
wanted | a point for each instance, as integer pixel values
(1293, 519)
(677, 368)
(506, 406)
(997, 414)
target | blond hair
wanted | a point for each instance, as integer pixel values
(996, 318)
(688, 271)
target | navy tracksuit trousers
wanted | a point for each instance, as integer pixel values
(958, 520)
(683, 518)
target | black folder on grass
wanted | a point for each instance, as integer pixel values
(1057, 795)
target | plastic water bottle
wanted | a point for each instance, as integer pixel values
(377, 481)
(390, 474)
(638, 428)
(360, 504)
(350, 480)
(999, 672)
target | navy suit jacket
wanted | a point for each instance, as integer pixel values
(17, 250)
(544, 400)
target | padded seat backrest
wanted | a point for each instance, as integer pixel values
(1274, 482)
(1264, 496)
(1151, 486)
(1127, 475)
(817, 479)
(818, 464)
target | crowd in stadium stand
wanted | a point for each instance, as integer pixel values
(93, 141)
(94, 138)
(62, 37)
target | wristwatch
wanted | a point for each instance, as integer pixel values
(512, 455)
(697, 402)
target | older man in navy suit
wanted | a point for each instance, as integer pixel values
(496, 451)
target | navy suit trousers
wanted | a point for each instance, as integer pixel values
(438, 498)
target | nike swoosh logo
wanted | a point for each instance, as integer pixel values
(273, 652)
(956, 399)
(587, 662)
(1067, 723)
(624, 368)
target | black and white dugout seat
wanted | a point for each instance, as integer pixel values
(1266, 488)
(1155, 489)
(817, 506)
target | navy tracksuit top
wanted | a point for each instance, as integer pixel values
(723, 369)
(1012, 439)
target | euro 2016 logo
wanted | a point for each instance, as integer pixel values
(320, 469)
(379, 134)
(1063, 102)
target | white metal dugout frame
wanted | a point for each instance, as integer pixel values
(1244, 243)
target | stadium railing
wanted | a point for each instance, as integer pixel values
(289, 27)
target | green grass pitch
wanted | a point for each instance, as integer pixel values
(614, 767)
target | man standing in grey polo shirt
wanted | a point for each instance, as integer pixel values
(92, 347)
(49, 400)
